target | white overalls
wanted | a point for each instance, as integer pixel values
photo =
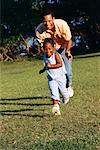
(56, 79)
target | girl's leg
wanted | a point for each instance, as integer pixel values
(55, 101)
(63, 90)
(56, 108)
(53, 86)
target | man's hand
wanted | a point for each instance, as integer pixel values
(68, 55)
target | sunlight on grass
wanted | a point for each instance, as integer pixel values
(25, 108)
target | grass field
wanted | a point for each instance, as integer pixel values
(26, 122)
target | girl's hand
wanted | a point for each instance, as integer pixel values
(48, 64)
(42, 70)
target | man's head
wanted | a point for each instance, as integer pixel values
(48, 19)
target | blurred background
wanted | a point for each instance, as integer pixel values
(22, 17)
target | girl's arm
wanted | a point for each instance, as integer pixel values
(42, 70)
(58, 63)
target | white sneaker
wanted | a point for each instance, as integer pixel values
(65, 100)
(70, 91)
(56, 109)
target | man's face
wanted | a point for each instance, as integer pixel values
(49, 22)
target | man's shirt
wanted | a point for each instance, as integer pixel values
(62, 32)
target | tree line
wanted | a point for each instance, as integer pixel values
(22, 16)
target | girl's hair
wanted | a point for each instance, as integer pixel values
(48, 40)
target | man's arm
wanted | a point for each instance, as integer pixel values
(67, 46)
(68, 49)
(66, 38)
(40, 35)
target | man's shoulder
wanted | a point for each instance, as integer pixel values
(40, 28)
(60, 21)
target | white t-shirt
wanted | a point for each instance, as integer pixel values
(56, 73)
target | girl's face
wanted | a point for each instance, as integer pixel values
(49, 49)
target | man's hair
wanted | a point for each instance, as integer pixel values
(48, 40)
(46, 12)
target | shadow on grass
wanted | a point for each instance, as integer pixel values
(19, 113)
(24, 104)
(20, 110)
(26, 98)
(26, 115)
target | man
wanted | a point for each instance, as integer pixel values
(59, 31)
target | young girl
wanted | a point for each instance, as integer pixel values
(56, 75)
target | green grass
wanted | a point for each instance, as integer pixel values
(26, 122)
